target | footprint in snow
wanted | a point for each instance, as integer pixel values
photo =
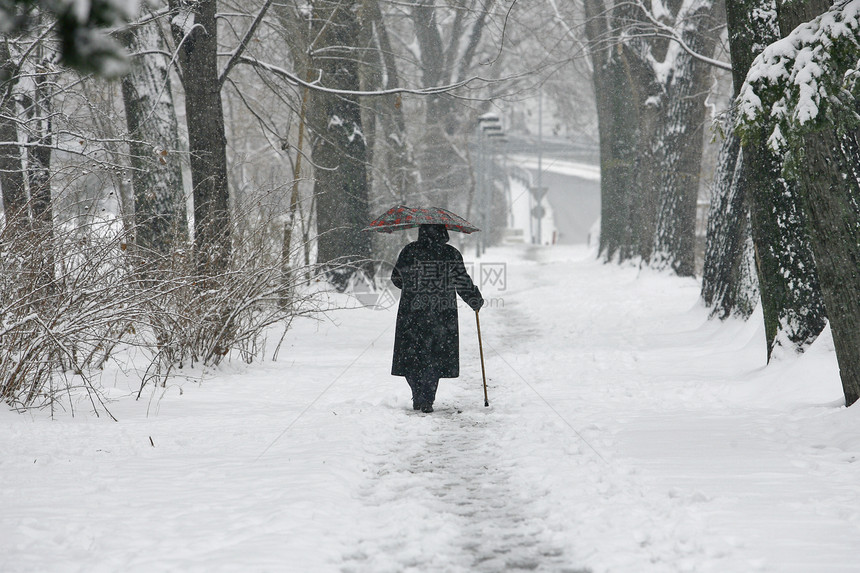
(457, 507)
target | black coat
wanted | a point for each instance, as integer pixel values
(430, 274)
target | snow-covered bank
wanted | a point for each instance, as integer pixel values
(626, 433)
(553, 165)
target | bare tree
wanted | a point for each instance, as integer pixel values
(446, 54)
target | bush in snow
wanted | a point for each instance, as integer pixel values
(101, 298)
(61, 321)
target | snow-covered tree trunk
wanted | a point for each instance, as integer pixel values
(194, 30)
(727, 287)
(790, 293)
(799, 98)
(650, 97)
(830, 192)
(679, 140)
(159, 200)
(729, 282)
(338, 145)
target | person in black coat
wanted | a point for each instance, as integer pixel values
(430, 274)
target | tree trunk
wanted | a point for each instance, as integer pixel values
(389, 155)
(195, 28)
(435, 159)
(650, 133)
(729, 282)
(443, 169)
(620, 138)
(832, 201)
(159, 200)
(680, 145)
(398, 174)
(727, 287)
(792, 13)
(619, 90)
(338, 145)
(39, 174)
(11, 161)
(830, 191)
(790, 292)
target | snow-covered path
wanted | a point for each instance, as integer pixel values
(451, 479)
(626, 433)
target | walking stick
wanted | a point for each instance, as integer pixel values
(481, 349)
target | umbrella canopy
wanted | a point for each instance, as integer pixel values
(403, 217)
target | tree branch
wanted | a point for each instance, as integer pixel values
(293, 79)
(674, 38)
(670, 34)
(243, 44)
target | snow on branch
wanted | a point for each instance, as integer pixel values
(685, 20)
(804, 81)
(295, 80)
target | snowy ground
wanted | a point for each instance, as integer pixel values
(626, 433)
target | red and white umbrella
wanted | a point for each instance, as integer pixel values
(403, 217)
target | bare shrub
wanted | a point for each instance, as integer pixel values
(59, 326)
(202, 319)
(59, 322)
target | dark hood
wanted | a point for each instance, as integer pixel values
(433, 234)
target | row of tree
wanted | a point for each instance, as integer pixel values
(244, 141)
(169, 175)
(784, 223)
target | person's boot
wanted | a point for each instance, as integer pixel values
(427, 408)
